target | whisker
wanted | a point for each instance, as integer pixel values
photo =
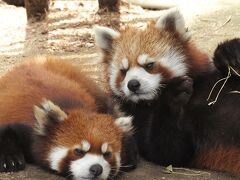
(69, 174)
(126, 166)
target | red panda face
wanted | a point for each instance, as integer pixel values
(139, 61)
(81, 144)
(138, 72)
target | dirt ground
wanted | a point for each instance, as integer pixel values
(68, 33)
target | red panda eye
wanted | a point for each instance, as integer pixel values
(79, 152)
(149, 66)
(107, 154)
(123, 71)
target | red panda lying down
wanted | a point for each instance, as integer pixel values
(159, 77)
(52, 115)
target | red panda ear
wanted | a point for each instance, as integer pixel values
(172, 20)
(104, 37)
(124, 123)
(47, 114)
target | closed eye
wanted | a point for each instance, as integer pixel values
(107, 154)
(123, 71)
(79, 152)
(149, 66)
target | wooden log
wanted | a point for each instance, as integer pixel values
(15, 2)
(109, 5)
(36, 9)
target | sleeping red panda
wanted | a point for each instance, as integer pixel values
(159, 77)
(49, 115)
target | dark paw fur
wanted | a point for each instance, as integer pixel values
(227, 54)
(178, 91)
(11, 154)
(129, 154)
(11, 162)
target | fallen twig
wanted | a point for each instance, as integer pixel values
(170, 170)
(227, 21)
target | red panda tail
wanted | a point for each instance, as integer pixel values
(220, 158)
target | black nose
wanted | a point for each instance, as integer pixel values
(96, 170)
(133, 85)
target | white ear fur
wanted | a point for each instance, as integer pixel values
(44, 114)
(41, 118)
(104, 36)
(124, 123)
(172, 20)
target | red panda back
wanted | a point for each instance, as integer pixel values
(26, 86)
(69, 132)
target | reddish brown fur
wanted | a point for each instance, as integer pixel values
(134, 42)
(120, 78)
(62, 83)
(197, 60)
(72, 72)
(220, 158)
(22, 92)
(56, 80)
(153, 41)
(88, 131)
(164, 71)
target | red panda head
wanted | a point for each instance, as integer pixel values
(80, 144)
(140, 60)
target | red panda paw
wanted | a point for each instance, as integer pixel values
(178, 91)
(228, 54)
(11, 162)
(11, 152)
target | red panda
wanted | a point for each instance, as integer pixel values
(158, 76)
(49, 115)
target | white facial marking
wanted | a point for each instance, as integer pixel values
(142, 59)
(125, 63)
(56, 156)
(80, 168)
(104, 147)
(125, 123)
(149, 84)
(113, 73)
(174, 61)
(102, 35)
(85, 145)
(118, 161)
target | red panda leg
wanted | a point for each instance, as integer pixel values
(129, 153)
(15, 143)
(220, 158)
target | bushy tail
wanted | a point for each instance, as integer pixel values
(220, 158)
